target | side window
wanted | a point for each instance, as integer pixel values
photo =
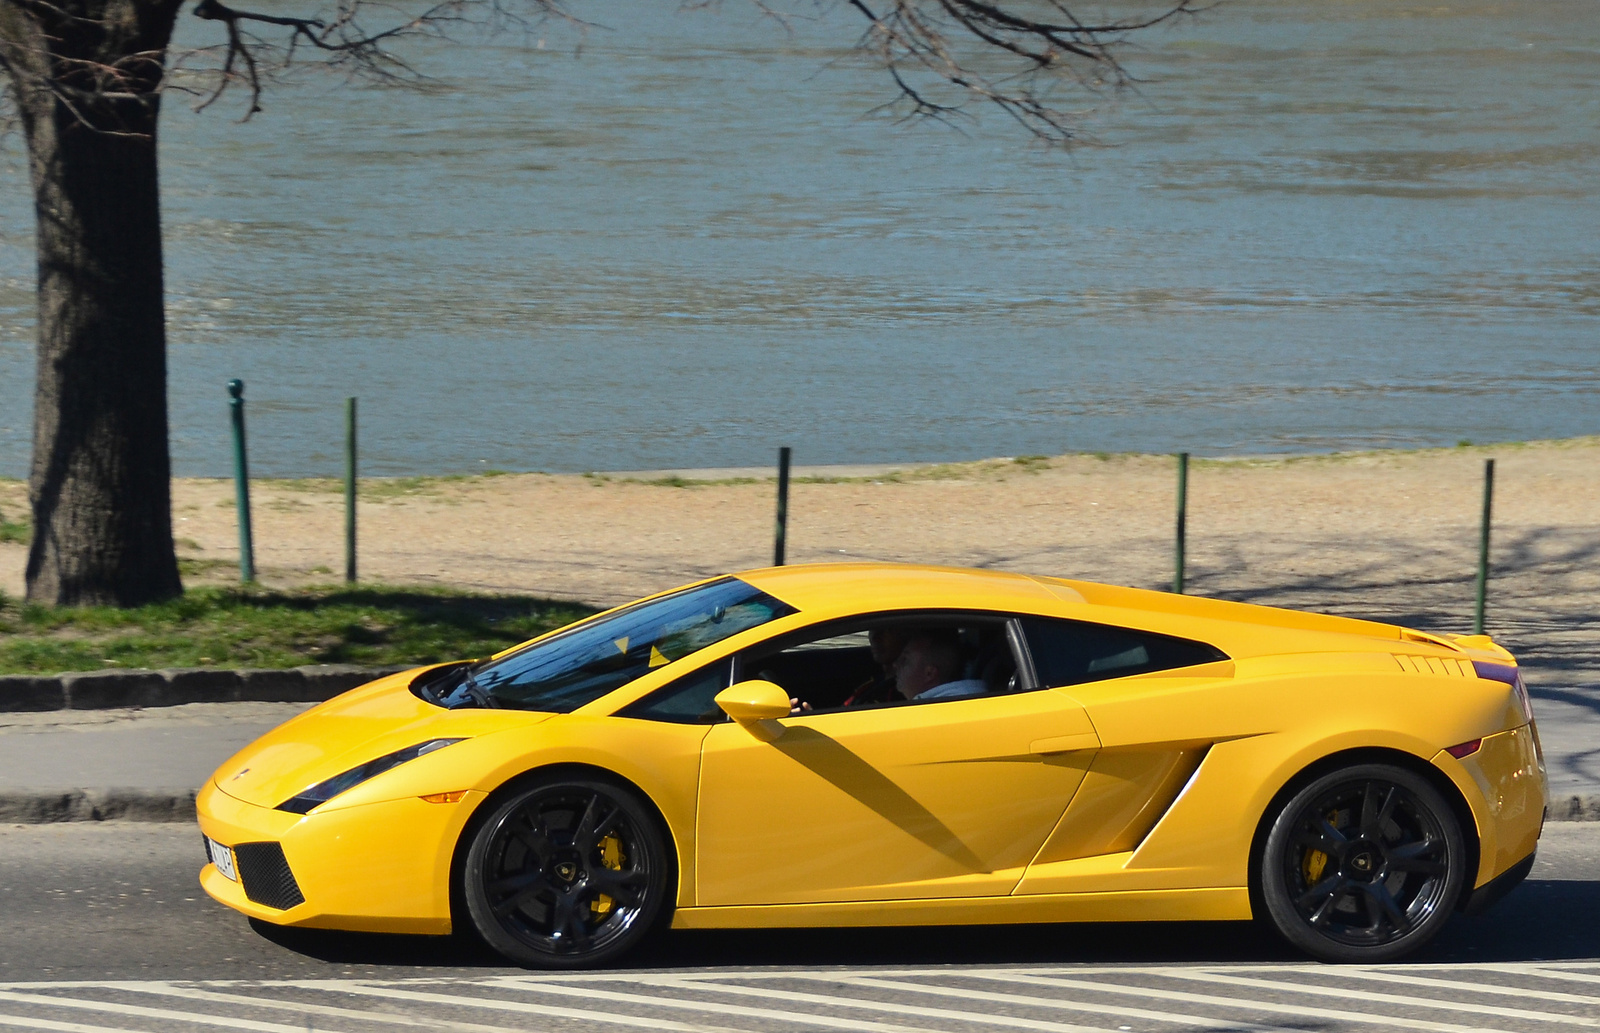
(689, 700)
(832, 671)
(1071, 652)
(890, 659)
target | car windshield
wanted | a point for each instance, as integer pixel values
(577, 666)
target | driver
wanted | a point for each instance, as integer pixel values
(929, 667)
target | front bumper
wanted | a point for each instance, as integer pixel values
(377, 867)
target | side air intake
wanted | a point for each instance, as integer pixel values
(264, 873)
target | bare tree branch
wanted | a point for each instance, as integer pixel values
(927, 44)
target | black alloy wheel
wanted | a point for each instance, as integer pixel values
(1364, 864)
(567, 873)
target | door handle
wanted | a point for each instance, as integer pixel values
(1065, 743)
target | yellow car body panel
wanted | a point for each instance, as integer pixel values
(1193, 905)
(945, 801)
(1132, 798)
(354, 866)
(1509, 801)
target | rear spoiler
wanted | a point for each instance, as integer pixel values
(1479, 644)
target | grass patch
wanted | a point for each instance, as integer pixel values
(237, 626)
(21, 532)
(189, 566)
(387, 489)
(675, 481)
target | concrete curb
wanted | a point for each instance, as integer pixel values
(103, 690)
(1574, 808)
(46, 807)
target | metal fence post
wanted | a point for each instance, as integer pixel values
(783, 507)
(1183, 522)
(241, 483)
(1483, 546)
(350, 489)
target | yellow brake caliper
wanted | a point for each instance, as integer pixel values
(1315, 860)
(611, 857)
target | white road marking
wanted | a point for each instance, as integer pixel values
(1410, 979)
(306, 1008)
(1297, 1010)
(894, 1007)
(1571, 977)
(498, 1004)
(1202, 1021)
(975, 996)
(62, 1027)
(727, 1009)
(139, 1011)
(1476, 1008)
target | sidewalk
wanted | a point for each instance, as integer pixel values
(134, 764)
(146, 764)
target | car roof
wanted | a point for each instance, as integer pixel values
(849, 587)
(1240, 628)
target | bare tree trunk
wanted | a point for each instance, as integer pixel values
(100, 485)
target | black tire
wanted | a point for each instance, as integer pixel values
(1365, 864)
(568, 873)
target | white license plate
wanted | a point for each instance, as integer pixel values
(222, 857)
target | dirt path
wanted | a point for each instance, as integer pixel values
(1326, 529)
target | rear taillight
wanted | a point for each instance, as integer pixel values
(1512, 676)
(1464, 749)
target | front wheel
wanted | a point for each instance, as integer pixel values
(1364, 864)
(567, 873)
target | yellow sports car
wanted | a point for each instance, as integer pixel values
(872, 744)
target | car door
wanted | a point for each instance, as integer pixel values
(950, 797)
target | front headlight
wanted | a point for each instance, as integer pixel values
(322, 792)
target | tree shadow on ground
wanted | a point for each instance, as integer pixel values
(1540, 920)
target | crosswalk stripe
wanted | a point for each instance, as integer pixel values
(133, 1010)
(1552, 973)
(498, 1004)
(1298, 1010)
(930, 999)
(1534, 965)
(307, 1008)
(61, 1027)
(727, 1009)
(1052, 1002)
(1476, 1008)
(1407, 979)
(895, 1007)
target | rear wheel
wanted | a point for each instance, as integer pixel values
(567, 873)
(1364, 864)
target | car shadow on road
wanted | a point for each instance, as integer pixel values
(1540, 920)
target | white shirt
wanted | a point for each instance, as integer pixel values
(951, 689)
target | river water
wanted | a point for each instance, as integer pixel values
(1317, 224)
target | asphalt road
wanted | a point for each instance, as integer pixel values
(104, 927)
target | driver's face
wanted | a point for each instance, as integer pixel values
(913, 673)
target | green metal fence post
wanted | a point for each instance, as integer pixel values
(241, 483)
(783, 507)
(349, 489)
(1183, 522)
(1483, 546)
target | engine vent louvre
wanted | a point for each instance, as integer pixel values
(1447, 666)
(264, 873)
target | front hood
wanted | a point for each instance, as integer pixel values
(361, 725)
